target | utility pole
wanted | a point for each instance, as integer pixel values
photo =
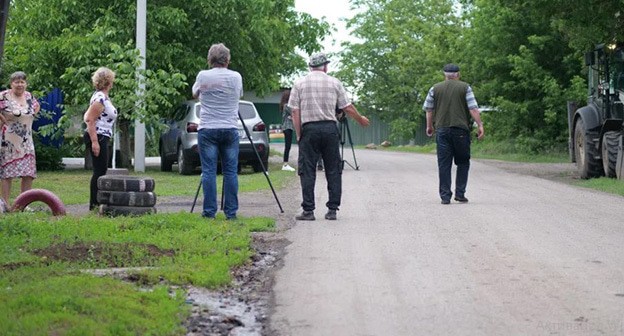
(4, 15)
(139, 127)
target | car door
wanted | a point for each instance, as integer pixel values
(170, 138)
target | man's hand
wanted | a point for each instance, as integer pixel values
(363, 121)
(429, 131)
(480, 132)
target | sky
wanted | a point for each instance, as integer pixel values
(333, 11)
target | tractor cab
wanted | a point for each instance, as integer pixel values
(606, 79)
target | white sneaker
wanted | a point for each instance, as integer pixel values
(287, 167)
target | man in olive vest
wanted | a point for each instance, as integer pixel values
(449, 106)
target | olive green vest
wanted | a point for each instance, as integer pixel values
(451, 108)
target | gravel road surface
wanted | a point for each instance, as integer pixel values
(526, 256)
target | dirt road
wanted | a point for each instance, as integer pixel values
(526, 256)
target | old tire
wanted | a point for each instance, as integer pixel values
(39, 195)
(125, 183)
(126, 198)
(118, 210)
(184, 166)
(610, 143)
(586, 153)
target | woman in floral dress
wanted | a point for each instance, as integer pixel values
(17, 152)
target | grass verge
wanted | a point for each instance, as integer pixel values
(72, 185)
(45, 289)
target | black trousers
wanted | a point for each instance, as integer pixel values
(320, 140)
(100, 165)
(288, 137)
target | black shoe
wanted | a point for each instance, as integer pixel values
(461, 199)
(306, 215)
(330, 215)
(446, 201)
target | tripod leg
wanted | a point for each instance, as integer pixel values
(264, 171)
(196, 195)
(352, 149)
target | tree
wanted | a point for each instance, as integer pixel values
(524, 67)
(404, 45)
(59, 43)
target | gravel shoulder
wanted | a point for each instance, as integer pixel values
(559, 172)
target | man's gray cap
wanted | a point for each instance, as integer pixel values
(451, 68)
(318, 59)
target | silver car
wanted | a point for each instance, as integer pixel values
(179, 142)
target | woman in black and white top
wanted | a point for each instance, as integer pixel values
(100, 119)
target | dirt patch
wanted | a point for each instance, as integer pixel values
(559, 172)
(109, 254)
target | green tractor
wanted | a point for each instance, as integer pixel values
(595, 135)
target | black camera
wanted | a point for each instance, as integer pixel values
(340, 115)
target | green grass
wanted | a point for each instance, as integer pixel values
(72, 185)
(45, 286)
(44, 289)
(605, 184)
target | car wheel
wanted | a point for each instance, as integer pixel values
(257, 167)
(165, 165)
(184, 168)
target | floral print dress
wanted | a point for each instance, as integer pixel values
(17, 151)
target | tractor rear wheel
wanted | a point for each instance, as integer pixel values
(586, 153)
(610, 143)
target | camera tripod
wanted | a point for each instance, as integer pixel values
(345, 134)
(264, 171)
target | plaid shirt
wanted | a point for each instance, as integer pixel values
(317, 95)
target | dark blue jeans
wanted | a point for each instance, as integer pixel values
(320, 140)
(453, 143)
(212, 143)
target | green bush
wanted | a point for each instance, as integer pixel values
(49, 157)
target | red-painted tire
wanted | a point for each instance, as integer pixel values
(39, 195)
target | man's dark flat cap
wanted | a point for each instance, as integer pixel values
(450, 68)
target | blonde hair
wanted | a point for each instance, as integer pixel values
(102, 78)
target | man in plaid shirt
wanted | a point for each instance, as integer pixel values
(314, 99)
